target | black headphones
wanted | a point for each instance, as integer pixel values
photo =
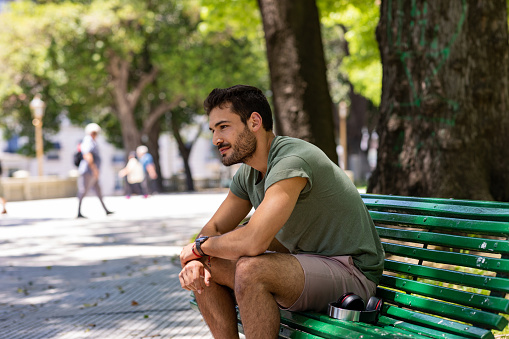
(351, 307)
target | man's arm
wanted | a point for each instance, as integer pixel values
(227, 217)
(268, 219)
(89, 157)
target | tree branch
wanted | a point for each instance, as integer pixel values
(146, 79)
(157, 112)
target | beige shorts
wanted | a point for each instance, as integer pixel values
(327, 278)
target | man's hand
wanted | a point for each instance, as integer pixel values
(195, 276)
(187, 254)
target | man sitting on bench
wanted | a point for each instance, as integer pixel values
(310, 239)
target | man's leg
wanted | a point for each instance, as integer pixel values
(216, 303)
(99, 194)
(263, 282)
(84, 182)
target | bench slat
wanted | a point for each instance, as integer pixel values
(437, 209)
(431, 238)
(485, 302)
(286, 332)
(428, 332)
(429, 321)
(298, 321)
(460, 259)
(453, 277)
(362, 327)
(495, 228)
(473, 203)
(442, 309)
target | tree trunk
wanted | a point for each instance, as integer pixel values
(153, 148)
(302, 104)
(443, 117)
(185, 152)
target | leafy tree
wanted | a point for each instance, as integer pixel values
(133, 60)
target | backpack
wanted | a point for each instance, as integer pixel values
(77, 157)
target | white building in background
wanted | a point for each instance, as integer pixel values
(205, 165)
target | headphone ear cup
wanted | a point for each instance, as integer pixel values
(374, 304)
(351, 301)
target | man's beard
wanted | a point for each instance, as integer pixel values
(243, 148)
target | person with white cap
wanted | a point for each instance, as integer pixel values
(89, 167)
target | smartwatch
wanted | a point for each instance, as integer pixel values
(198, 242)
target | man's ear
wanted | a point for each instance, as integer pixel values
(255, 121)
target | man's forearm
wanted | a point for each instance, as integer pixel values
(235, 244)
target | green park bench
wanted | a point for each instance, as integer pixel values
(446, 273)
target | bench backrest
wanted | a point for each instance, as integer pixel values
(447, 264)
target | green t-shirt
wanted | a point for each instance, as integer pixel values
(329, 218)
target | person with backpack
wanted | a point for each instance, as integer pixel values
(89, 167)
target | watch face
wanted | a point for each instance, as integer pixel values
(201, 239)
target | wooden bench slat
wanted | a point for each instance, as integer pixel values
(298, 321)
(438, 209)
(442, 309)
(440, 324)
(428, 332)
(495, 228)
(454, 277)
(494, 304)
(440, 239)
(362, 327)
(286, 332)
(461, 202)
(452, 258)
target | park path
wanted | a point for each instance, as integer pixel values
(102, 277)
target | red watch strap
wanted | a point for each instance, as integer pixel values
(194, 252)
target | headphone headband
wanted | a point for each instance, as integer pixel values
(347, 308)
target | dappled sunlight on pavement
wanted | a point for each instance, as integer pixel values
(103, 277)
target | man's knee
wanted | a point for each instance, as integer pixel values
(248, 274)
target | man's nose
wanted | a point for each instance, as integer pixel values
(217, 141)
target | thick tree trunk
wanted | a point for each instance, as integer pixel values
(302, 104)
(131, 136)
(443, 117)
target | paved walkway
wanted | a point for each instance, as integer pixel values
(103, 277)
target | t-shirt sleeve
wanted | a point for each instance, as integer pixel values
(290, 167)
(86, 145)
(237, 186)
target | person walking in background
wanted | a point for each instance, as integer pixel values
(133, 172)
(149, 168)
(89, 167)
(2, 199)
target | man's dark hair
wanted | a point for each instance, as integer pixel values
(243, 101)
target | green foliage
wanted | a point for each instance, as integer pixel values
(64, 49)
(362, 65)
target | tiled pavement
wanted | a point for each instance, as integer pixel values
(101, 277)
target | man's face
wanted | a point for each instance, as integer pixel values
(236, 143)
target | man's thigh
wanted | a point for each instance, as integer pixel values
(327, 278)
(279, 273)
